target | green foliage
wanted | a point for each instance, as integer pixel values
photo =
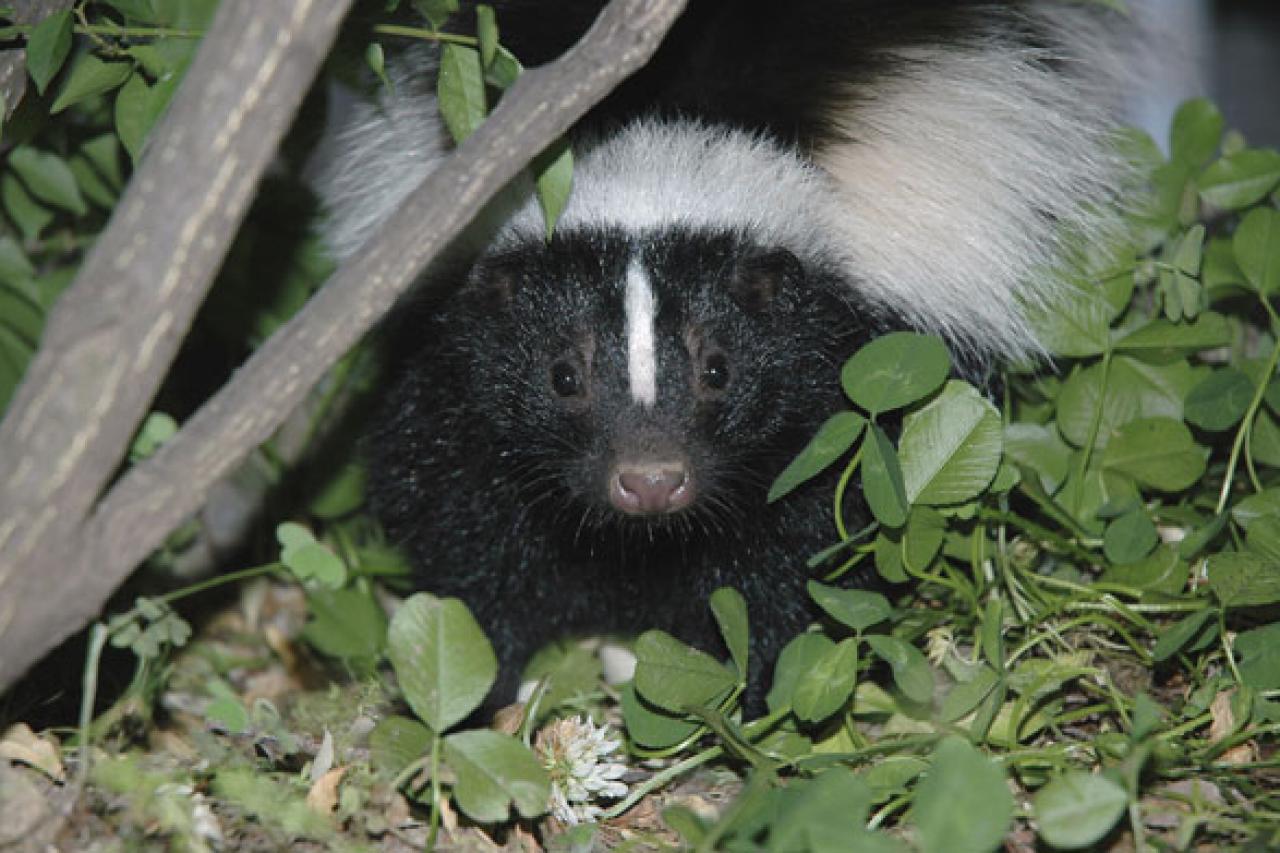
(445, 666)
(1116, 514)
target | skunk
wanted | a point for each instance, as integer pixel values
(581, 438)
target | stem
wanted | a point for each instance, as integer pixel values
(425, 34)
(86, 29)
(89, 693)
(841, 486)
(1043, 534)
(220, 580)
(659, 779)
(434, 831)
(1096, 426)
(1249, 415)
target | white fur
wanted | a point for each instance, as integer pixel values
(963, 174)
(947, 203)
(382, 152)
(642, 352)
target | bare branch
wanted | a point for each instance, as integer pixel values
(13, 62)
(111, 338)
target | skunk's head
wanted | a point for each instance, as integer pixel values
(651, 379)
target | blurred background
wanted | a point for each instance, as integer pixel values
(1235, 44)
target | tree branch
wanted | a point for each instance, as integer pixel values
(13, 62)
(155, 496)
(111, 338)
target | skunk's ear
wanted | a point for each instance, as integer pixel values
(760, 277)
(495, 280)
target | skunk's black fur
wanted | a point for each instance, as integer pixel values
(776, 188)
(496, 486)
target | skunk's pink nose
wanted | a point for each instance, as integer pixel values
(651, 488)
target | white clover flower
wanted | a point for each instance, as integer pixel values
(574, 751)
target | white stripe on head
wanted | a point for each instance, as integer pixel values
(642, 352)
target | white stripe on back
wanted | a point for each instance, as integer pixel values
(642, 353)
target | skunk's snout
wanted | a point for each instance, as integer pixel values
(651, 487)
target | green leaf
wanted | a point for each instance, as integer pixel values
(486, 33)
(461, 90)
(23, 318)
(1076, 809)
(963, 805)
(376, 59)
(992, 635)
(138, 108)
(798, 657)
(229, 713)
(1242, 179)
(503, 72)
(1161, 340)
(1130, 537)
(49, 178)
(911, 671)
(154, 61)
(103, 152)
(47, 48)
(1164, 570)
(15, 266)
(1258, 655)
(317, 562)
(859, 609)
(1189, 253)
(1220, 401)
(1076, 326)
(1197, 130)
(650, 726)
(1157, 452)
(157, 429)
(730, 610)
(821, 814)
(1041, 449)
(136, 11)
(553, 181)
(1197, 539)
(568, 671)
(676, 677)
(28, 214)
(442, 659)
(397, 742)
(882, 482)
(1265, 504)
(1134, 389)
(951, 448)
(1257, 246)
(493, 771)
(922, 537)
(90, 76)
(91, 184)
(967, 695)
(833, 439)
(828, 685)
(895, 370)
(1241, 579)
(437, 12)
(1181, 634)
(341, 494)
(348, 624)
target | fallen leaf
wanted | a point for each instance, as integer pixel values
(21, 744)
(323, 796)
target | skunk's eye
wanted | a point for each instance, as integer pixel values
(565, 379)
(715, 372)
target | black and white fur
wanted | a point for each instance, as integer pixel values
(582, 439)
